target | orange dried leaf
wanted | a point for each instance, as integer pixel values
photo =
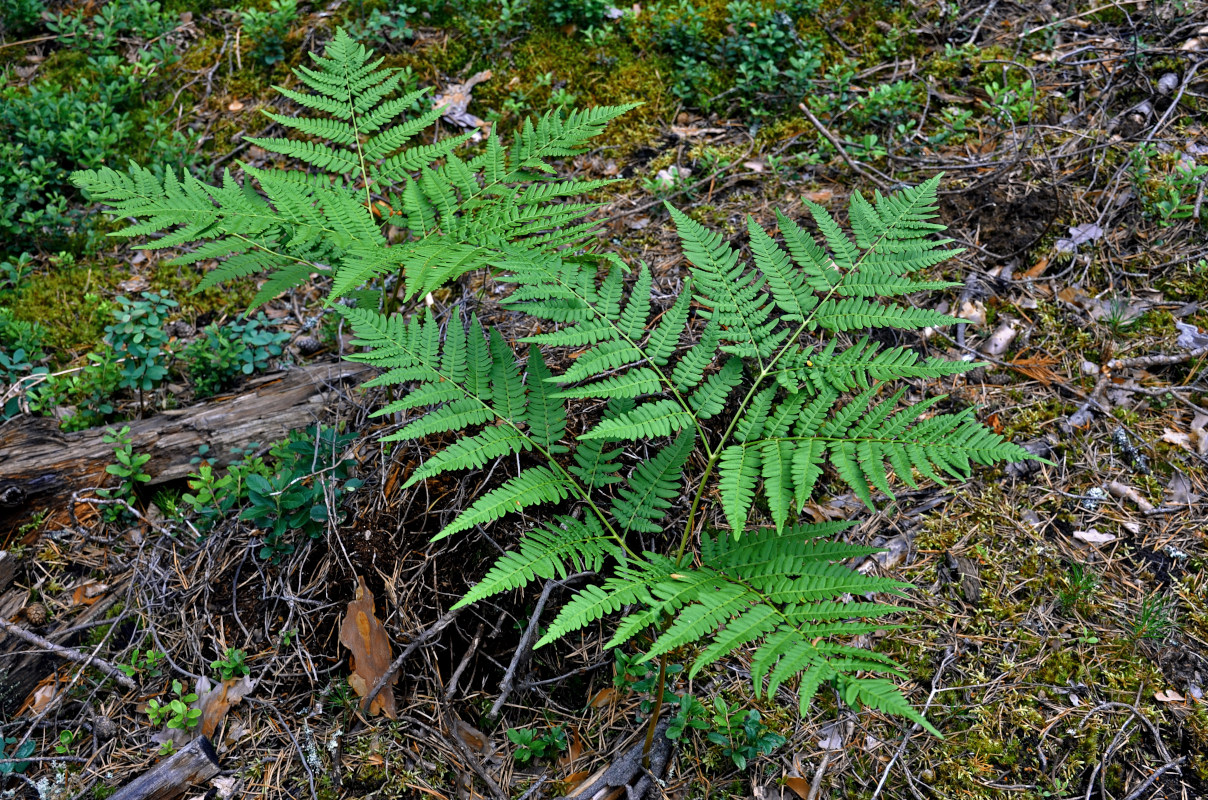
(603, 698)
(216, 702)
(363, 634)
(40, 697)
(574, 780)
(88, 593)
(573, 751)
(800, 787)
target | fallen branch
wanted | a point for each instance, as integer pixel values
(830, 137)
(41, 465)
(621, 772)
(172, 777)
(71, 654)
(1143, 362)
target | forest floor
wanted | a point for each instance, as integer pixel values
(1059, 629)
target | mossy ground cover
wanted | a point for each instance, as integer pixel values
(1055, 666)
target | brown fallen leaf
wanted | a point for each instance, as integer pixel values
(1181, 491)
(1125, 492)
(40, 697)
(574, 781)
(1176, 438)
(603, 697)
(1093, 536)
(363, 634)
(1199, 431)
(473, 738)
(1037, 269)
(800, 787)
(88, 593)
(214, 702)
(573, 751)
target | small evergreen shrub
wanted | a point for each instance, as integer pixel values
(288, 493)
(756, 385)
(50, 129)
(267, 29)
(216, 359)
(20, 354)
(583, 13)
(139, 341)
(759, 64)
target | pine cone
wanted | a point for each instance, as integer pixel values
(35, 614)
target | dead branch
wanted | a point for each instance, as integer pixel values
(525, 649)
(71, 654)
(194, 763)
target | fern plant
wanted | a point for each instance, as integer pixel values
(758, 380)
(750, 385)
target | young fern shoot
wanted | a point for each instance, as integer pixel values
(759, 379)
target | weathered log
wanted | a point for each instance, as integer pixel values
(194, 763)
(40, 464)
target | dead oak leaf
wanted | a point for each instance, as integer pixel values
(363, 634)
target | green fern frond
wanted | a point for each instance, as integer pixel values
(545, 414)
(533, 486)
(882, 695)
(630, 585)
(738, 470)
(650, 420)
(732, 294)
(558, 136)
(356, 133)
(596, 464)
(549, 552)
(725, 605)
(472, 452)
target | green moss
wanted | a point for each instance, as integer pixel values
(69, 302)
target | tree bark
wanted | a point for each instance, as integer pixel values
(41, 466)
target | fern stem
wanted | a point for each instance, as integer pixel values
(715, 455)
(656, 712)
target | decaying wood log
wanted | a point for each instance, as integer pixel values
(40, 464)
(194, 763)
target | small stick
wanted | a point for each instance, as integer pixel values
(816, 784)
(1157, 773)
(949, 657)
(451, 689)
(525, 648)
(69, 653)
(1157, 360)
(830, 137)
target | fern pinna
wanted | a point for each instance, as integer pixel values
(755, 382)
(359, 167)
